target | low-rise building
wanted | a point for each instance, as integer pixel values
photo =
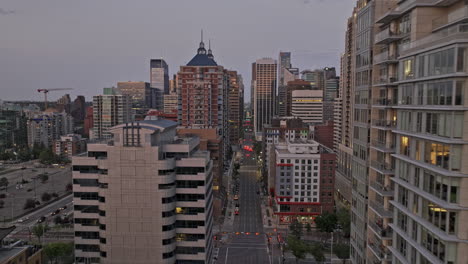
(304, 180)
(69, 145)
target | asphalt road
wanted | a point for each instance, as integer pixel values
(248, 243)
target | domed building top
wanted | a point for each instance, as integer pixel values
(202, 58)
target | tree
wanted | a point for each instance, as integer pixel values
(317, 251)
(2, 203)
(308, 228)
(326, 222)
(69, 187)
(46, 197)
(43, 177)
(297, 247)
(296, 229)
(4, 182)
(344, 220)
(341, 251)
(30, 203)
(39, 231)
(46, 156)
(56, 250)
(58, 220)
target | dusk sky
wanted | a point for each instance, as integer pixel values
(91, 44)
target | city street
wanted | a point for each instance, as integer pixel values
(248, 242)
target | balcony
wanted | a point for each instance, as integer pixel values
(382, 146)
(382, 232)
(387, 36)
(381, 189)
(385, 58)
(380, 251)
(386, 80)
(384, 124)
(380, 209)
(385, 102)
(383, 167)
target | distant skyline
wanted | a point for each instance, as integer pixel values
(88, 45)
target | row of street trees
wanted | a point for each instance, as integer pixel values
(44, 154)
(326, 224)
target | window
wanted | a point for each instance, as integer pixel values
(441, 62)
(405, 146)
(406, 94)
(408, 69)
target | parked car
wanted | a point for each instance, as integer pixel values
(42, 219)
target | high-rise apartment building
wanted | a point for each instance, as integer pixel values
(109, 109)
(143, 197)
(304, 173)
(418, 180)
(344, 150)
(264, 91)
(203, 88)
(159, 79)
(307, 105)
(13, 129)
(293, 85)
(364, 47)
(48, 126)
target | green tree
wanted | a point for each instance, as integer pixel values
(43, 177)
(344, 220)
(316, 250)
(46, 156)
(2, 203)
(56, 250)
(326, 222)
(297, 247)
(296, 229)
(341, 251)
(30, 203)
(46, 197)
(39, 231)
(24, 155)
(4, 183)
(308, 228)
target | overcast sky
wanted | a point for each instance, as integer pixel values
(91, 44)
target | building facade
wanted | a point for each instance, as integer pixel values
(264, 92)
(144, 197)
(109, 109)
(142, 95)
(304, 180)
(308, 105)
(69, 145)
(419, 134)
(45, 128)
(159, 80)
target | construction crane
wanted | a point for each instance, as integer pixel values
(46, 91)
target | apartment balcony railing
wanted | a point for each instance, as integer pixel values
(387, 124)
(386, 80)
(380, 251)
(446, 33)
(384, 167)
(383, 232)
(384, 146)
(382, 189)
(385, 57)
(387, 36)
(380, 209)
(384, 101)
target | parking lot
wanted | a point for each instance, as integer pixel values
(26, 184)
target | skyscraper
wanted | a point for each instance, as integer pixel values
(142, 96)
(144, 197)
(159, 79)
(308, 105)
(109, 109)
(235, 101)
(264, 88)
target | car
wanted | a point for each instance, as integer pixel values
(42, 219)
(63, 208)
(258, 192)
(237, 204)
(236, 211)
(55, 212)
(21, 220)
(236, 197)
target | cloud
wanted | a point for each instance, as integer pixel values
(4, 12)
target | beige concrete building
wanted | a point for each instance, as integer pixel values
(308, 105)
(143, 197)
(419, 135)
